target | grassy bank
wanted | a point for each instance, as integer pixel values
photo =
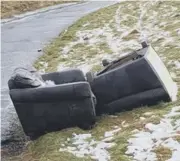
(109, 33)
(10, 8)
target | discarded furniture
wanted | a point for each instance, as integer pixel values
(137, 79)
(140, 78)
(42, 109)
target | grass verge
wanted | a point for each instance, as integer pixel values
(10, 8)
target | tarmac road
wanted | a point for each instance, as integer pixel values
(21, 38)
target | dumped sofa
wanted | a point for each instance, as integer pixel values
(45, 108)
(137, 79)
(58, 100)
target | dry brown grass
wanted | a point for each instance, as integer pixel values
(163, 153)
(10, 8)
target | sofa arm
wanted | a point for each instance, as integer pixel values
(67, 76)
(77, 90)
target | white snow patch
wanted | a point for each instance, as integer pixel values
(174, 92)
(142, 118)
(113, 116)
(108, 139)
(148, 113)
(153, 116)
(104, 35)
(115, 127)
(124, 124)
(142, 144)
(118, 20)
(111, 133)
(84, 145)
(178, 31)
(85, 68)
(86, 24)
(49, 83)
(45, 65)
(177, 64)
(62, 67)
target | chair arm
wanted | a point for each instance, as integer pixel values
(77, 90)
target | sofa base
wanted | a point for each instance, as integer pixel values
(150, 97)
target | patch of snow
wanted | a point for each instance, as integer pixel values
(174, 91)
(115, 127)
(113, 116)
(117, 19)
(143, 143)
(104, 35)
(111, 133)
(86, 24)
(45, 65)
(143, 33)
(49, 83)
(79, 139)
(153, 116)
(178, 31)
(108, 139)
(42, 71)
(85, 68)
(148, 113)
(67, 48)
(124, 124)
(84, 145)
(168, 40)
(62, 67)
(177, 64)
(142, 118)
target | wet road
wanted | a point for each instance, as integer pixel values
(20, 41)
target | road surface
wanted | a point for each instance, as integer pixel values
(21, 38)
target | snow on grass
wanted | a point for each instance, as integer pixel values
(86, 65)
(62, 67)
(44, 66)
(115, 39)
(85, 68)
(174, 91)
(83, 145)
(90, 37)
(148, 113)
(177, 64)
(103, 35)
(142, 144)
(111, 133)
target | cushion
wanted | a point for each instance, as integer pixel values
(25, 78)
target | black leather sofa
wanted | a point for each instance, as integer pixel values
(138, 79)
(44, 109)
